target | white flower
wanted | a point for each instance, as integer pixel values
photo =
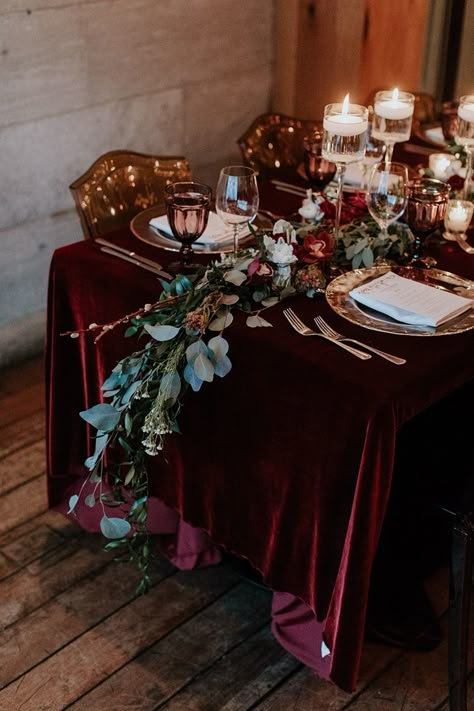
(310, 209)
(285, 227)
(279, 252)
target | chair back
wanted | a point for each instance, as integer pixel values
(120, 184)
(275, 141)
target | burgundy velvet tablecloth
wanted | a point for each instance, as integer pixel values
(287, 461)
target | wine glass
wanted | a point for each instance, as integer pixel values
(374, 152)
(465, 136)
(386, 194)
(319, 171)
(237, 198)
(187, 206)
(344, 136)
(393, 114)
(426, 208)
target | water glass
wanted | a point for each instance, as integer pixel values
(187, 206)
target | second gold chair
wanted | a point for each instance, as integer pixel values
(274, 141)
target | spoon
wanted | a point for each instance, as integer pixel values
(463, 244)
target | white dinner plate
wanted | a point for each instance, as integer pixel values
(141, 228)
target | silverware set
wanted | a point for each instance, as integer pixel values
(328, 333)
(129, 256)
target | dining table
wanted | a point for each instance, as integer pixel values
(287, 462)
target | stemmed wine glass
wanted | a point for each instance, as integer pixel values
(237, 198)
(386, 194)
(344, 137)
(393, 114)
(374, 152)
(319, 171)
(426, 208)
(465, 136)
(187, 206)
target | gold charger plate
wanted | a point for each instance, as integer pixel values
(337, 296)
(141, 228)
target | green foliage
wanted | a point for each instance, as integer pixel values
(184, 348)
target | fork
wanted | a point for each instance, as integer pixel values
(303, 330)
(331, 333)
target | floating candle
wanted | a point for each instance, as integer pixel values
(397, 107)
(345, 120)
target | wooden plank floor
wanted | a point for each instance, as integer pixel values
(74, 634)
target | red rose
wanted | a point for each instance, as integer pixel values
(315, 246)
(259, 271)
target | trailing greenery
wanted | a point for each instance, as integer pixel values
(185, 348)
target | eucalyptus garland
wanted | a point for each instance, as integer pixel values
(185, 348)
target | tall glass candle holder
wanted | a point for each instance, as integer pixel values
(465, 136)
(393, 115)
(344, 138)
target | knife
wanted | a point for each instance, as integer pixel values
(289, 188)
(129, 256)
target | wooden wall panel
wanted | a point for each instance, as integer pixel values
(330, 34)
(346, 46)
(392, 49)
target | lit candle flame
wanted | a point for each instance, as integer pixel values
(395, 94)
(345, 105)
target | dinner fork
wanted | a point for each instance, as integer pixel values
(331, 333)
(303, 330)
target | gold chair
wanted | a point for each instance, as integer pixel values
(120, 184)
(274, 141)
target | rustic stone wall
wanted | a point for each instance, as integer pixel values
(81, 77)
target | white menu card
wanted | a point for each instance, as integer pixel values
(410, 301)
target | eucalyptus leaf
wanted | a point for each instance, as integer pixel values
(130, 392)
(100, 444)
(191, 378)
(357, 261)
(103, 417)
(90, 501)
(115, 380)
(223, 366)
(271, 301)
(195, 349)
(229, 299)
(73, 502)
(130, 331)
(130, 475)
(161, 333)
(114, 527)
(256, 321)
(221, 322)
(203, 368)
(368, 257)
(236, 277)
(219, 346)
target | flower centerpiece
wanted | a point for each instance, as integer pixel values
(186, 349)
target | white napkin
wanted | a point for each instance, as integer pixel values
(409, 301)
(216, 234)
